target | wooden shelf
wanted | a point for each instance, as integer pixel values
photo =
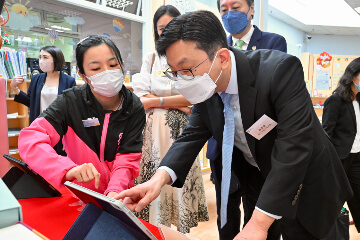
(15, 124)
(205, 169)
(13, 151)
(19, 116)
(317, 100)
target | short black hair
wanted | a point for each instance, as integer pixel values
(57, 55)
(164, 10)
(346, 80)
(92, 41)
(203, 27)
(249, 2)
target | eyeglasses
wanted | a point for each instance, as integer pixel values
(186, 74)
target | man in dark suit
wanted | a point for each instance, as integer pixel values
(292, 170)
(236, 16)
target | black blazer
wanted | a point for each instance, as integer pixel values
(304, 176)
(32, 98)
(259, 40)
(339, 122)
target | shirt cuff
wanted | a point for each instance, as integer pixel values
(170, 172)
(269, 214)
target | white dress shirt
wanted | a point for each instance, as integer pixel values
(245, 38)
(48, 95)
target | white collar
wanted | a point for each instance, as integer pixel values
(232, 87)
(245, 38)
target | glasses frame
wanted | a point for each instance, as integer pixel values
(173, 75)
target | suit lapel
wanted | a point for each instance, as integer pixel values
(255, 39)
(352, 112)
(61, 83)
(247, 94)
(215, 108)
(229, 40)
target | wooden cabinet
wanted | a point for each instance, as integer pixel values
(17, 117)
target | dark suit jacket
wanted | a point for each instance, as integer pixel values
(264, 40)
(259, 40)
(339, 122)
(304, 176)
(32, 98)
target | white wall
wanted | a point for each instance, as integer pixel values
(294, 37)
(334, 45)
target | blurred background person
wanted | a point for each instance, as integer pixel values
(46, 86)
(341, 121)
(167, 114)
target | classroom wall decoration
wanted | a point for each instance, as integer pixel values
(118, 25)
(323, 72)
(324, 60)
(20, 18)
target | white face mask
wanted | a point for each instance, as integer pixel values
(46, 66)
(107, 83)
(199, 89)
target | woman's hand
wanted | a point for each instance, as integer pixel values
(186, 110)
(112, 194)
(147, 102)
(84, 173)
(16, 81)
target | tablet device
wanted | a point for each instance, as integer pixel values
(45, 185)
(114, 207)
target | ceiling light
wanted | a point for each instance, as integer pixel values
(319, 12)
(357, 9)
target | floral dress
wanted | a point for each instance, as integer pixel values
(183, 207)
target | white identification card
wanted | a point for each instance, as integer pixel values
(261, 127)
(91, 122)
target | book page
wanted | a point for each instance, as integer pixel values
(18, 232)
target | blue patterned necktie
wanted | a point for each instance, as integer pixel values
(227, 150)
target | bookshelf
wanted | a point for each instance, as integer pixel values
(17, 117)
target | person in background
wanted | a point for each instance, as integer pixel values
(341, 121)
(287, 164)
(101, 123)
(44, 87)
(236, 17)
(167, 114)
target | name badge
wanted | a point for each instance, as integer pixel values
(91, 122)
(261, 127)
(160, 73)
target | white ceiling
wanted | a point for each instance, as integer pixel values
(318, 29)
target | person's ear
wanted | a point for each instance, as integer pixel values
(83, 77)
(224, 55)
(252, 10)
